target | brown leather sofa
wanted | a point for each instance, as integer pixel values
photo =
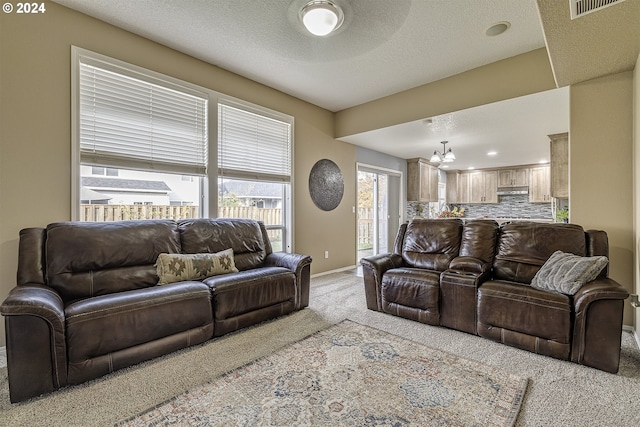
(475, 276)
(87, 301)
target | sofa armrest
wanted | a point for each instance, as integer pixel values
(36, 344)
(597, 329)
(467, 264)
(459, 296)
(373, 268)
(300, 265)
(597, 290)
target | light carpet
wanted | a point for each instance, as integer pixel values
(350, 375)
(559, 393)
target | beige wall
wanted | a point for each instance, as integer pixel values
(601, 168)
(35, 135)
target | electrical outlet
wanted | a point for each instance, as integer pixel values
(326, 254)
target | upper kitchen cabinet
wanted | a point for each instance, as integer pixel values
(559, 152)
(452, 187)
(483, 187)
(513, 177)
(539, 188)
(422, 181)
(463, 188)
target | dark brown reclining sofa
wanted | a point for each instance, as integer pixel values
(475, 276)
(87, 300)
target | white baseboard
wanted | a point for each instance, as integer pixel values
(324, 273)
(634, 332)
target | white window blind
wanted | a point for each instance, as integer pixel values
(253, 146)
(133, 123)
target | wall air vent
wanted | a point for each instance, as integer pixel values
(582, 7)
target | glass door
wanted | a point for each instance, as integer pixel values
(378, 215)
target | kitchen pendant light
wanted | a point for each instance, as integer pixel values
(446, 156)
(321, 17)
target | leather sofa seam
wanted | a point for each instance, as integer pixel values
(158, 302)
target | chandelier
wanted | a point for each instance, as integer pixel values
(446, 156)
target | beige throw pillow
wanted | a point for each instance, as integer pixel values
(173, 268)
(567, 273)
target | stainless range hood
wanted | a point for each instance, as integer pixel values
(510, 191)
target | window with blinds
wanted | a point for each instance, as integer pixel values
(253, 146)
(141, 142)
(130, 121)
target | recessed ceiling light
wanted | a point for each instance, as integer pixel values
(471, 168)
(492, 153)
(543, 161)
(445, 166)
(497, 28)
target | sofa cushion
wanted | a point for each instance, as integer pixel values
(245, 291)
(173, 268)
(523, 247)
(413, 293)
(566, 273)
(108, 324)
(87, 259)
(243, 236)
(520, 308)
(431, 244)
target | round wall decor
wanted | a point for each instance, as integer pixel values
(326, 185)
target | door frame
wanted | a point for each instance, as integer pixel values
(364, 167)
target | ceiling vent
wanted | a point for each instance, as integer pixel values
(582, 7)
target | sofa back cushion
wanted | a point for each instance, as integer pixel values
(85, 259)
(523, 247)
(431, 243)
(244, 236)
(479, 239)
(598, 245)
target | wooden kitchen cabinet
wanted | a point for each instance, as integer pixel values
(464, 194)
(483, 187)
(539, 188)
(452, 187)
(422, 181)
(559, 172)
(513, 177)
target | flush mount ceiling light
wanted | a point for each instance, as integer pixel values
(321, 17)
(445, 156)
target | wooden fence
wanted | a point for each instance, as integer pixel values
(101, 213)
(365, 228)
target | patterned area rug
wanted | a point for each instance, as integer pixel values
(349, 375)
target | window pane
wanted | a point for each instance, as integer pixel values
(137, 195)
(259, 200)
(128, 121)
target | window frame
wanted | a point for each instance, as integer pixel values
(209, 183)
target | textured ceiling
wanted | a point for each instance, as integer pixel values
(603, 42)
(515, 129)
(383, 47)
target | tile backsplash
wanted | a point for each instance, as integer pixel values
(508, 206)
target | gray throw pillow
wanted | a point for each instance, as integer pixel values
(566, 273)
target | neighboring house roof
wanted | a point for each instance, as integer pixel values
(254, 190)
(120, 184)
